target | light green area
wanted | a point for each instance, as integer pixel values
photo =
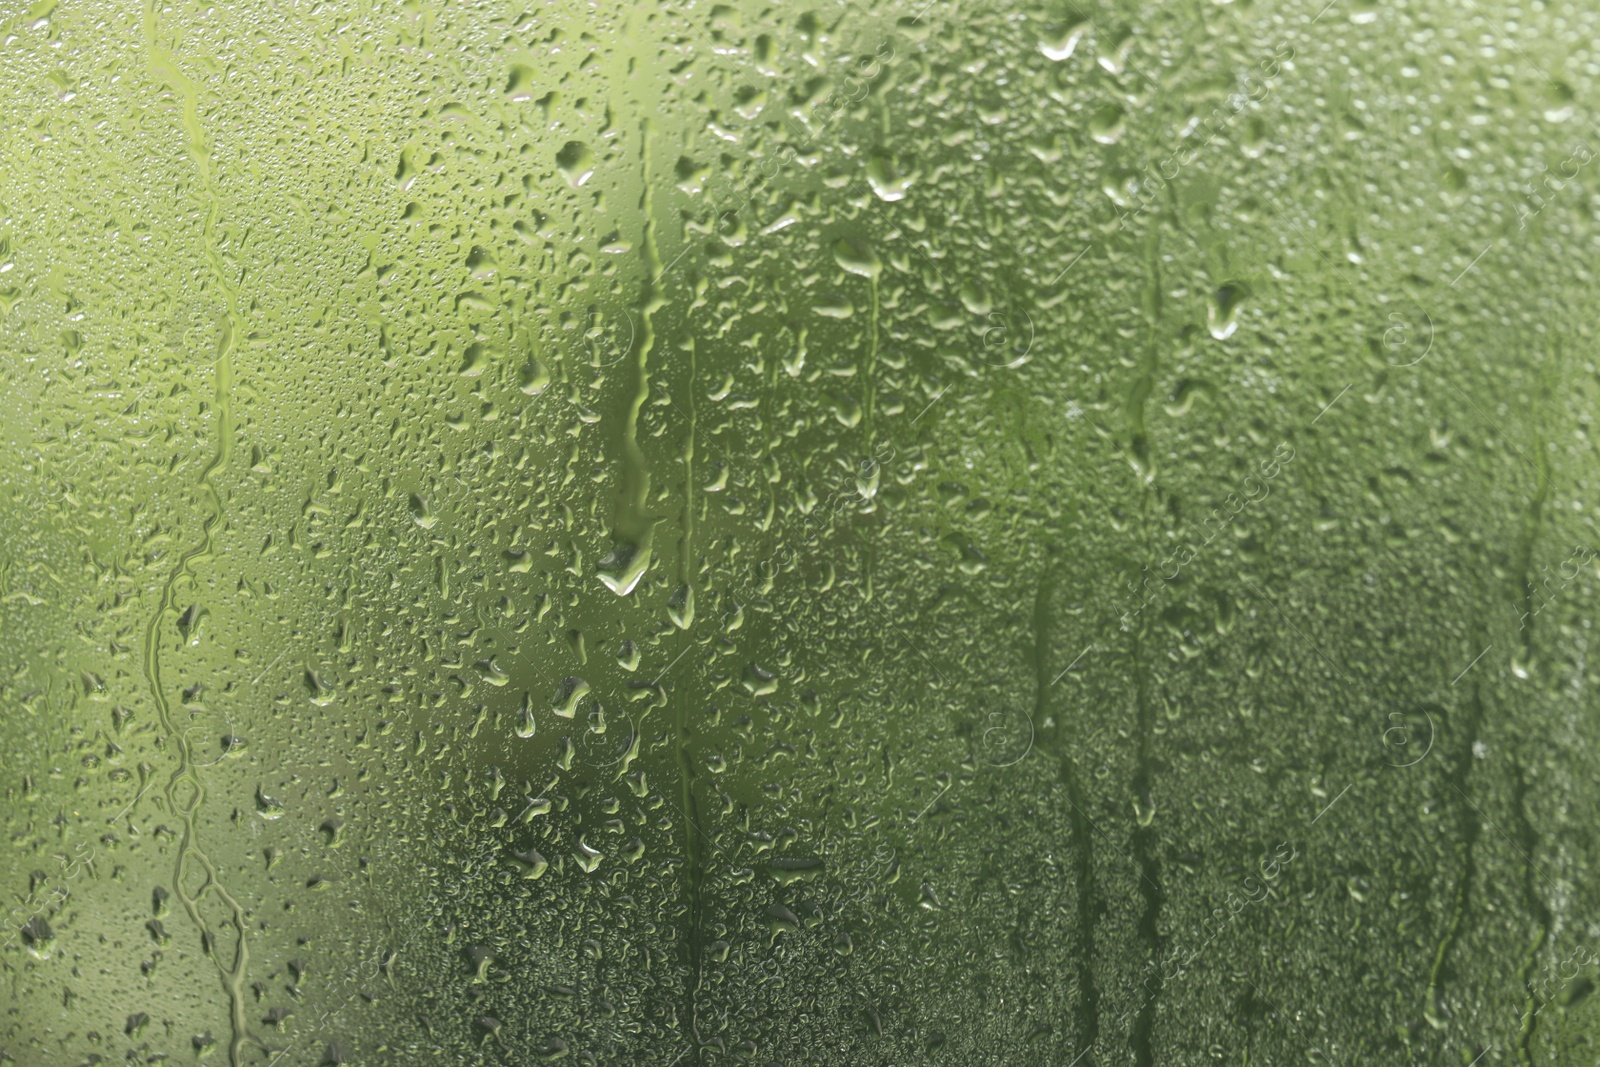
(690, 534)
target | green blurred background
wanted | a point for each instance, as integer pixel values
(693, 533)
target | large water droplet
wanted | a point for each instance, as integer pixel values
(1108, 124)
(576, 163)
(857, 257)
(622, 568)
(1060, 43)
(885, 178)
(1222, 313)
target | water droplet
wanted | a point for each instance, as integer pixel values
(1222, 313)
(533, 378)
(576, 163)
(532, 864)
(857, 257)
(1059, 43)
(886, 179)
(573, 689)
(519, 83)
(680, 607)
(1108, 124)
(422, 512)
(267, 807)
(622, 568)
(525, 724)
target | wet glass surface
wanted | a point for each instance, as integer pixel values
(690, 533)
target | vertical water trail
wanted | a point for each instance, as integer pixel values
(1528, 843)
(634, 528)
(684, 616)
(869, 403)
(184, 790)
(1146, 844)
(869, 372)
(694, 885)
(1087, 1022)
